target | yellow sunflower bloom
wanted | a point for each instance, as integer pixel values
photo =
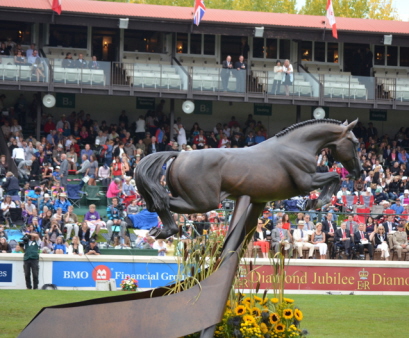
(228, 304)
(274, 300)
(280, 328)
(258, 299)
(288, 313)
(289, 300)
(263, 328)
(274, 318)
(249, 319)
(240, 310)
(298, 315)
(264, 301)
(256, 312)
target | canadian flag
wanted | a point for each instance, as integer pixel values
(331, 19)
(57, 6)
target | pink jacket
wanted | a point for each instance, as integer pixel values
(113, 190)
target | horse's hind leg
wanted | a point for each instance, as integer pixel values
(179, 205)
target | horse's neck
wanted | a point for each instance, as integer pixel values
(312, 137)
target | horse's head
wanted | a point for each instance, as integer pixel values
(344, 150)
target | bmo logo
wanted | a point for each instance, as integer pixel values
(6, 273)
(101, 272)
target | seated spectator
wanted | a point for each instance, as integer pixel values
(133, 208)
(286, 222)
(281, 237)
(4, 246)
(301, 241)
(46, 202)
(59, 217)
(160, 246)
(397, 207)
(28, 209)
(115, 217)
(127, 188)
(379, 196)
(54, 231)
(361, 239)
(370, 225)
(62, 202)
(92, 248)
(400, 240)
(3, 233)
(308, 225)
(72, 159)
(259, 137)
(117, 168)
(18, 249)
(84, 234)
(318, 240)
(352, 226)
(115, 188)
(10, 185)
(380, 238)
(70, 222)
(93, 220)
(46, 246)
(6, 205)
(59, 246)
(76, 248)
(35, 195)
(343, 240)
(260, 238)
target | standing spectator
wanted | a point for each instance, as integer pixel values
(81, 63)
(92, 170)
(241, 72)
(10, 185)
(140, 128)
(68, 62)
(227, 66)
(94, 64)
(64, 170)
(70, 222)
(278, 69)
(115, 217)
(287, 76)
(115, 188)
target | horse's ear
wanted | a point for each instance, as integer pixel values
(345, 123)
(352, 124)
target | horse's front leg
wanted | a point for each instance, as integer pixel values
(330, 184)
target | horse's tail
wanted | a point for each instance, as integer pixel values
(147, 179)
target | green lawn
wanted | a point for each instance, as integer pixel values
(324, 316)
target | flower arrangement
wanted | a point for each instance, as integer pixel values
(129, 284)
(254, 317)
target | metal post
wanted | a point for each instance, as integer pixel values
(171, 118)
(298, 114)
(39, 106)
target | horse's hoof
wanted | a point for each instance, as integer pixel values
(161, 233)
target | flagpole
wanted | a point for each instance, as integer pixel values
(324, 22)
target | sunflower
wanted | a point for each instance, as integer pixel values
(280, 328)
(256, 312)
(263, 328)
(247, 301)
(288, 313)
(258, 299)
(228, 304)
(274, 300)
(274, 318)
(298, 315)
(264, 301)
(240, 310)
(289, 300)
(249, 319)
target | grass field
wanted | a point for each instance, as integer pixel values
(324, 316)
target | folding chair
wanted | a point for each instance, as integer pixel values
(92, 192)
(364, 213)
(74, 194)
(16, 216)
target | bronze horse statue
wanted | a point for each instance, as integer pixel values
(278, 168)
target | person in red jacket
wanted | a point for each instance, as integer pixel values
(50, 125)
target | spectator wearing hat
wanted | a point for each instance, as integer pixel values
(397, 207)
(92, 248)
(62, 202)
(400, 240)
(379, 195)
(404, 199)
(301, 241)
(267, 219)
(46, 202)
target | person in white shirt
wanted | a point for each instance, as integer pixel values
(18, 155)
(181, 135)
(140, 128)
(30, 51)
(287, 76)
(301, 241)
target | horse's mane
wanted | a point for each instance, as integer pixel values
(306, 123)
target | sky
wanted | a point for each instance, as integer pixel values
(401, 5)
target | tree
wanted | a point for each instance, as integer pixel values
(368, 9)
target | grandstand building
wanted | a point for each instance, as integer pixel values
(145, 53)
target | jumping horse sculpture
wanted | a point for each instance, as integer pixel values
(279, 168)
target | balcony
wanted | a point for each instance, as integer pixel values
(209, 83)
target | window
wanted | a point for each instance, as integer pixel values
(379, 55)
(258, 48)
(18, 32)
(271, 48)
(182, 43)
(392, 56)
(332, 52)
(143, 41)
(319, 51)
(68, 36)
(209, 44)
(285, 49)
(196, 44)
(306, 50)
(404, 56)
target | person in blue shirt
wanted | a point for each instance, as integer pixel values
(59, 246)
(250, 140)
(397, 207)
(35, 194)
(62, 202)
(259, 137)
(46, 202)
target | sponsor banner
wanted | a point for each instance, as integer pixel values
(6, 273)
(85, 274)
(329, 278)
